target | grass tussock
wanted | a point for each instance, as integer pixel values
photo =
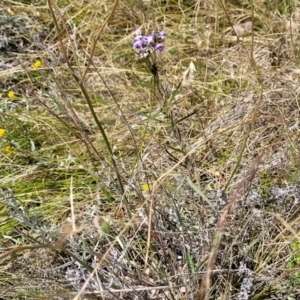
(171, 175)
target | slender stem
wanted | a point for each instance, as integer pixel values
(88, 100)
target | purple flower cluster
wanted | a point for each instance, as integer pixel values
(145, 44)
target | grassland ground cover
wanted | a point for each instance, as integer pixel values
(130, 173)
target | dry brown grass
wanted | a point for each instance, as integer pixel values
(218, 150)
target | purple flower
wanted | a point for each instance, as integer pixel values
(150, 39)
(138, 44)
(159, 47)
(145, 41)
(161, 36)
(145, 44)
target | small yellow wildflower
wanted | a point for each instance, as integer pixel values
(11, 95)
(2, 133)
(37, 64)
(8, 150)
(145, 187)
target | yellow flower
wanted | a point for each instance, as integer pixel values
(145, 187)
(8, 150)
(11, 95)
(37, 64)
(2, 133)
